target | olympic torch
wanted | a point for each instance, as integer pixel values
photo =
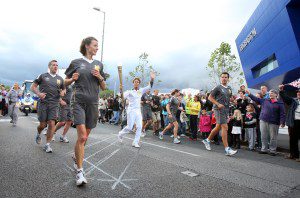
(121, 81)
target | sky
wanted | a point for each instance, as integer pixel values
(178, 35)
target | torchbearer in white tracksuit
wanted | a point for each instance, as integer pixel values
(134, 115)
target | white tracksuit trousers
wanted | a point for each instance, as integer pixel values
(133, 117)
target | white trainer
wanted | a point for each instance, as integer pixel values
(47, 148)
(143, 134)
(161, 136)
(80, 179)
(63, 139)
(207, 144)
(176, 141)
(230, 152)
(135, 144)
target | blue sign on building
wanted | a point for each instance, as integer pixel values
(269, 44)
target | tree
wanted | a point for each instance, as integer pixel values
(222, 60)
(142, 70)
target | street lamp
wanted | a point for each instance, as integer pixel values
(98, 9)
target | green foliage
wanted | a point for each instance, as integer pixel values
(222, 60)
(142, 70)
(106, 93)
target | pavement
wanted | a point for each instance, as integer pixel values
(157, 169)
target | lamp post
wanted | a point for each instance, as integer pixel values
(98, 9)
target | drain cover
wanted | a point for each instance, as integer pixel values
(189, 173)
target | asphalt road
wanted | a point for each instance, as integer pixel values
(119, 170)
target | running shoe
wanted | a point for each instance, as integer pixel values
(80, 180)
(11, 121)
(75, 162)
(230, 152)
(63, 139)
(135, 144)
(176, 141)
(47, 148)
(45, 131)
(182, 135)
(172, 136)
(178, 137)
(161, 136)
(207, 144)
(38, 139)
(143, 134)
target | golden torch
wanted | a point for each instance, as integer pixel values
(121, 81)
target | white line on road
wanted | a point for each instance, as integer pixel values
(101, 150)
(5, 120)
(122, 174)
(164, 147)
(88, 171)
(102, 171)
(72, 152)
(34, 117)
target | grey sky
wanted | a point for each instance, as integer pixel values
(178, 35)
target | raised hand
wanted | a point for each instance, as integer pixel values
(152, 75)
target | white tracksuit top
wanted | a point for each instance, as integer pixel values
(134, 98)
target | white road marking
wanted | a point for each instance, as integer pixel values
(8, 119)
(5, 120)
(189, 173)
(34, 117)
(72, 152)
(102, 171)
(100, 150)
(88, 171)
(122, 174)
(164, 147)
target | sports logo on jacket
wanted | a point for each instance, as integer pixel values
(58, 82)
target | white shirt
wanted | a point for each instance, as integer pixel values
(89, 61)
(102, 104)
(134, 98)
(53, 75)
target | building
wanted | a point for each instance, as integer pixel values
(269, 44)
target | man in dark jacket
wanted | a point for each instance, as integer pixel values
(292, 121)
(116, 109)
(271, 116)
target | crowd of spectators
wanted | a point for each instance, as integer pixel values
(253, 122)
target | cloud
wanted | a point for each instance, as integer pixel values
(178, 36)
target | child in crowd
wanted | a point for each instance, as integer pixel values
(250, 125)
(204, 124)
(237, 121)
